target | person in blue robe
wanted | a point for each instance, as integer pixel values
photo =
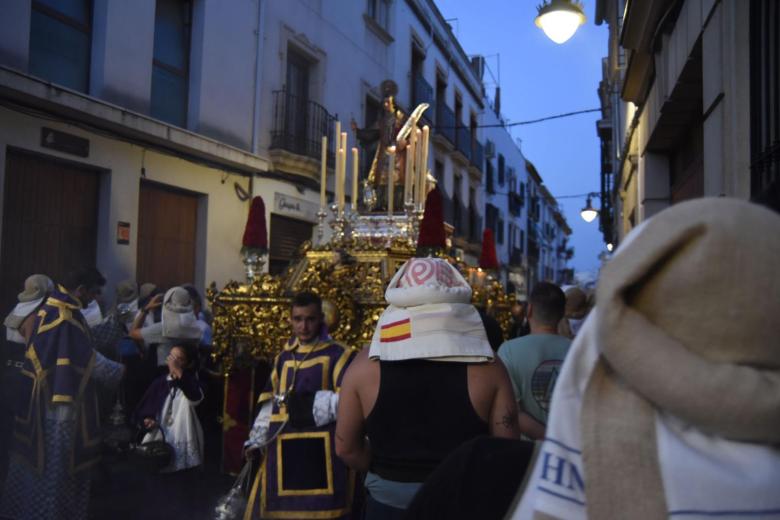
(56, 424)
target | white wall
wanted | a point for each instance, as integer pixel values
(122, 53)
(219, 235)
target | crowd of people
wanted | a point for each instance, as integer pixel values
(657, 396)
(67, 365)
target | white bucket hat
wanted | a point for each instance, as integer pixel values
(430, 316)
(178, 319)
(36, 288)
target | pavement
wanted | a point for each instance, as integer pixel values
(122, 492)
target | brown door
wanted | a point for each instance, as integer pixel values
(167, 221)
(287, 235)
(49, 220)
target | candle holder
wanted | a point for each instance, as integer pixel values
(411, 223)
(254, 261)
(338, 225)
(321, 216)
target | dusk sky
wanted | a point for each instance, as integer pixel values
(540, 78)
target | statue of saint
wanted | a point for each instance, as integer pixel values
(390, 130)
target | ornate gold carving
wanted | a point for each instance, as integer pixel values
(251, 321)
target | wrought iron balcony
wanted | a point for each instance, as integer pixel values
(463, 144)
(445, 121)
(299, 125)
(533, 249)
(515, 204)
(478, 155)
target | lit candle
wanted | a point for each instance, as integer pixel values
(390, 171)
(426, 132)
(323, 172)
(409, 171)
(354, 179)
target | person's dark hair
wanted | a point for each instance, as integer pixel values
(191, 351)
(89, 277)
(306, 298)
(549, 303)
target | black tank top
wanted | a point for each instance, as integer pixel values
(422, 413)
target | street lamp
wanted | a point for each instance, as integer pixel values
(559, 19)
(588, 213)
(610, 247)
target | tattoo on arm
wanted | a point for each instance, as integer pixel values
(509, 419)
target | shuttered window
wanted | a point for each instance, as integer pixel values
(287, 235)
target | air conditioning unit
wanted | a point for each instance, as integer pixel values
(490, 149)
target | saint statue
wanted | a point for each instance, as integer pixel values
(389, 132)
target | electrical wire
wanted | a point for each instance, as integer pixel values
(528, 122)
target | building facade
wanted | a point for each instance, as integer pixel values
(689, 105)
(133, 134)
(128, 138)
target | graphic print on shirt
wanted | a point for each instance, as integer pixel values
(543, 382)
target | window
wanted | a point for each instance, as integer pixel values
(489, 187)
(379, 11)
(170, 68)
(438, 172)
(764, 103)
(500, 231)
(501, 169)
(60, 42)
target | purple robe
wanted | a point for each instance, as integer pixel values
(301, 476)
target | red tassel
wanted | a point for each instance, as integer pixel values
(255, 233)
(432, 233)
(488, 259)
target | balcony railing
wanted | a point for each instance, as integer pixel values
(489, 184)
(477, 155)
(463, 144)
(423, 93)
(445, 121)
(299, 125)
(533, 249)
(515, 204)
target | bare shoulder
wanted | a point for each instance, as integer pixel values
(489, 371)
(361, 367)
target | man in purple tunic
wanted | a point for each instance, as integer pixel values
(300, 475)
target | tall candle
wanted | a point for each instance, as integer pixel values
(390, 186)
(337, 137)
(354, 179)
(419, 168)
(344, 142)
(409, 171)
(342, 180)
(323, 172)
(426, 132)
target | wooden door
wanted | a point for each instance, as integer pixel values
(50, 213)
(167, 231)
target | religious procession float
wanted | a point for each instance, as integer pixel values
(356, 250)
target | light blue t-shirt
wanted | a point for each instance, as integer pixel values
(533, 363)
